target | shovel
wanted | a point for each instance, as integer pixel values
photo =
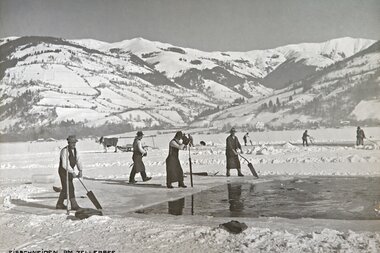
(91, 196)
(250, 166)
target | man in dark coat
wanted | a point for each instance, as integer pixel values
(232, 145)
(138, 165)
(245, 139)
(191, 141)
(68, 160)
(304, 138)
(174, 172)
(360, 136)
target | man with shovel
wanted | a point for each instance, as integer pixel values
(68, 160)
(138, 165)
(232, 145)
(360, 136)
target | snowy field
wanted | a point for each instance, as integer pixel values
(29, 220)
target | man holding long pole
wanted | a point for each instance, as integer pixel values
(68, 160)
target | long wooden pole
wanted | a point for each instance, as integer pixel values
(192, 204)
(67, 181)
(191, 169)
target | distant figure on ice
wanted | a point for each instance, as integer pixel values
(246, 139)
(68, 159)
(232, 145)
(191, 141)
(359, 136)
(138, 165)
(304, 138)
(174, 172)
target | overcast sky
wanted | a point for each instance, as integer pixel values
(209, 25)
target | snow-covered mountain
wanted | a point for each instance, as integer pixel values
(50, 80)
(275, 68)
(345, 92)
(307, 58)
(7, 39)
(139, 83)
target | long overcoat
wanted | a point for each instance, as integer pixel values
(174, 172)
(232, 144)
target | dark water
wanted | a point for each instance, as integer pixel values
(346, 198)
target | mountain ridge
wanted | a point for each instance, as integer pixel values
(147, 84)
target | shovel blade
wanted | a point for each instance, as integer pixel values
(253, 171)
(94, 200)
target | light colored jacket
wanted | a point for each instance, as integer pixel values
(137, 147)
(65, 163)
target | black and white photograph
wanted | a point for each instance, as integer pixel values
(189, 126)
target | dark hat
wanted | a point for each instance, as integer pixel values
(233, 130)
(178, 135)
(139, 133)
(72, 138)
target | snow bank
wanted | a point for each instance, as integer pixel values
(160, 235)
(289, 146)
(21, 192)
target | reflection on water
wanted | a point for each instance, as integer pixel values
(176, 207)
(313, 197)
(234, 198)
